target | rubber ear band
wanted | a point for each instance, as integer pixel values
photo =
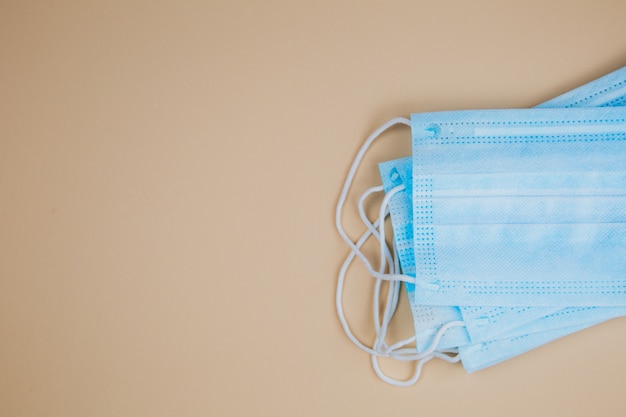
(380, 348)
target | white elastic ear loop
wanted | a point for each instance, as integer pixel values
(339, 305)
(385, 254)
(393, 292)
(397, 382)
(379, 342)
(369, 225)
(340, 283)
(411, 354)
(418, 369)
(344, 193)
(384, 205)
(394, 266)
(420, 357)
(339, 293)
(393, 351)
(394, 287)
(396, 351)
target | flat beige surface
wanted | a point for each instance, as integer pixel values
(168, 177)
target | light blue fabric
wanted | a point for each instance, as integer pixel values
(482, 355)
(485, 236)
(607, 91)
(483, 323)
(516, 341)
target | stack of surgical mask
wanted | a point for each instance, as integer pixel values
(509, 228)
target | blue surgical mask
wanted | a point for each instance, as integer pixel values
(487, 323)
(520, 207)
(483, 323)
(608, 91)
(486, 318)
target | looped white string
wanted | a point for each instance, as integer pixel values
(344, 193)
(389, 263)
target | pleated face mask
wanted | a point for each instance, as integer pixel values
(481, 324)
(520, 207)
(512, 183)
(486, 323)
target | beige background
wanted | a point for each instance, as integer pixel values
(168, 177)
